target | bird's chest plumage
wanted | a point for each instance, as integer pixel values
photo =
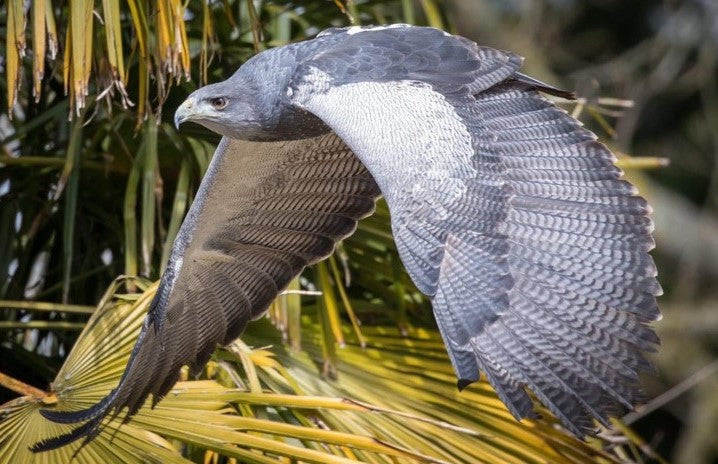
(406, 131)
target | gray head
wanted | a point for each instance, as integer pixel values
(229, 108)
(249, 108)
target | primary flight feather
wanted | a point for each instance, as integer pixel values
(506, 213)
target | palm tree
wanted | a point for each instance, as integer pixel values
(95, 182)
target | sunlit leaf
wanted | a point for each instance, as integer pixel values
(394, 400)
(15, 48)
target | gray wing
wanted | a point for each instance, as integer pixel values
(506, 213)
(263, 212)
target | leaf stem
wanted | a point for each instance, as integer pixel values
(20, 387)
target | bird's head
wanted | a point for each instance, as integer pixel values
(225, 107)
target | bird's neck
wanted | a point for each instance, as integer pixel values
(267, 76)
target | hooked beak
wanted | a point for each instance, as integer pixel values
(185, 111)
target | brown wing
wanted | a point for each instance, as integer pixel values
(264, 211)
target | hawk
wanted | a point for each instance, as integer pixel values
(507, 214)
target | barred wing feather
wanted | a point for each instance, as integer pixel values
(264, 211)
(513, 219)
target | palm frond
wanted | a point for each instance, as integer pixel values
(394, 401)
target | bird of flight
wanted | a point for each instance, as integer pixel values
(506, 213)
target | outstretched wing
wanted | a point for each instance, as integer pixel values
(506, 213)
(264, 211)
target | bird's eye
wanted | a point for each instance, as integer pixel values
(218, 103)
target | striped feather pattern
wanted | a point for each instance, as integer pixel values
(267, 211)
(573, 321)
(532, 248)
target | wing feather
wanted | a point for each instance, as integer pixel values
(264, 211)
(508, 214)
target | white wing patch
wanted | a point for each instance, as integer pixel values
(416, 147)
(400, 130)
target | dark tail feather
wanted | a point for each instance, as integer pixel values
(68, 417)
(88, 430)
(94, 414)
(543, 87)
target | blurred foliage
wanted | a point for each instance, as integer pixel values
(87, 199)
